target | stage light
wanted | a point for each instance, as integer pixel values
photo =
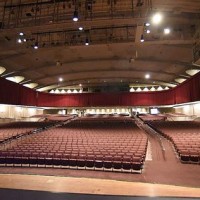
(19, 40)
(75, 16)
(142, 38)
(147, 76)
(166, 31)
(36, 45)
(86, 41)
(148, 31)
(157, 18)
(147, 24)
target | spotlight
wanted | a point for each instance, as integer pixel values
(75, 16)
(36, 45)
(24, 40)
(157, 18)
(21, 33)
(142, 38)
(147, 24)
(86, 41)
(148, 31)
(166, 31)
(80, 28)
(60, 79)
(147, 76)
(19, 40)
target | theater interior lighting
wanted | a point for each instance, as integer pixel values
(166, 31)
(147, 76)
(157, 18)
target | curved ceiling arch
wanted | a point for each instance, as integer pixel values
(103, 74)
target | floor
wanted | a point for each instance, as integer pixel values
(56, 184)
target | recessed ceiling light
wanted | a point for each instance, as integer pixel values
(60, 79)
(166, 31)
(80, 84)
(157, 18)
(21, 33)
(147, 76)
(80, 28)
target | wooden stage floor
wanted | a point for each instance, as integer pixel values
(17, 183)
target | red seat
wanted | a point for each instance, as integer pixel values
(108, 162)
(98, 161)
(90, 161)
(81, 161)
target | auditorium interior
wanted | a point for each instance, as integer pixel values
(99, 99)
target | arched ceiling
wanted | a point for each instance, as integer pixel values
(115, 55)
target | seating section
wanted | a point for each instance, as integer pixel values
(185, 135)
(115, 145)
(149, 117)
(13, 130)
(53, 117)
(107, 117)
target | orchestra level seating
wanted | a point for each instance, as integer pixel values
(14, 130)
(82, 144)
(185, 136)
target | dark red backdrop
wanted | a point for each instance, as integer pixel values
(13, 93)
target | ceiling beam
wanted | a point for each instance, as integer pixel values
(113, 59)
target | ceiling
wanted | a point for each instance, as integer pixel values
(115, 56)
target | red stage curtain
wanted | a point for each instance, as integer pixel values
(10, 92)
(28, 96)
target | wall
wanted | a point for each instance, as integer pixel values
(18, 112)
(193, 109)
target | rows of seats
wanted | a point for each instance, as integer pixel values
(149, 117)
(16, 129)
(185, 135)
(107, 117)
(98, 145)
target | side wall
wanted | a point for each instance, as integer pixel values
(18, 112)
(16, 94)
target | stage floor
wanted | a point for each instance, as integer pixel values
(17, 186)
